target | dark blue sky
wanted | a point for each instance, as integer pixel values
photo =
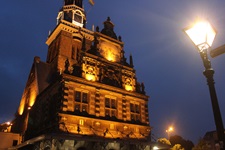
(164, 58)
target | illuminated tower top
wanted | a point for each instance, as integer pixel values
(73, 12)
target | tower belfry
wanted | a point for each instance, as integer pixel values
(73, 12)
(85, 95)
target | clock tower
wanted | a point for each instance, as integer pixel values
(85, 95)
(73, 12)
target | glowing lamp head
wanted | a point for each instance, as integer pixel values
(170, 129)
(202, 34)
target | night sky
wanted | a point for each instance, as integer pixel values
(164, 58)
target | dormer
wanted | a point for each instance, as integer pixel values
(109, 29)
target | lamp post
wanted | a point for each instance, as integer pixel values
(170, 129)
(202, 35)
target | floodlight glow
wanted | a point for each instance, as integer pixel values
(155, 147)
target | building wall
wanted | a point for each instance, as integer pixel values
(93, 117)
(9, 139)
(92, 90)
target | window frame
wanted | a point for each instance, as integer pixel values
(81, 102)
(110, 106)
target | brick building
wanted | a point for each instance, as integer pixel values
(85, 95)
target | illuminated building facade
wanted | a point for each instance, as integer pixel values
(86, 95)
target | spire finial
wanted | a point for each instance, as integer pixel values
(131, 61)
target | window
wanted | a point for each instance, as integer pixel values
(84, 98)
(107, 112)
(110, 107)
(84, 108)
(132, 107)
(81, 101)
(134, 111)
(113, 103)
(137, 108)
(78, 18)
(78, 96)
(77, 107)
(107, 102)
(113, 113)
(15, 142)
(110, 103)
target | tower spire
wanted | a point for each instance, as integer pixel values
(131, 61)
(78, 3)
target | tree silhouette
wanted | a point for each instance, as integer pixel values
(186, 144)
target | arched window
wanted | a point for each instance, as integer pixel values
(59, 17)
(78, 18)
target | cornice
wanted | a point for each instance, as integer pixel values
(98, 85)
(71, 28)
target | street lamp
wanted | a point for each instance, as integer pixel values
(170, 129)
(202, 35)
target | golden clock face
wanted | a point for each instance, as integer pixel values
(110, 52)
